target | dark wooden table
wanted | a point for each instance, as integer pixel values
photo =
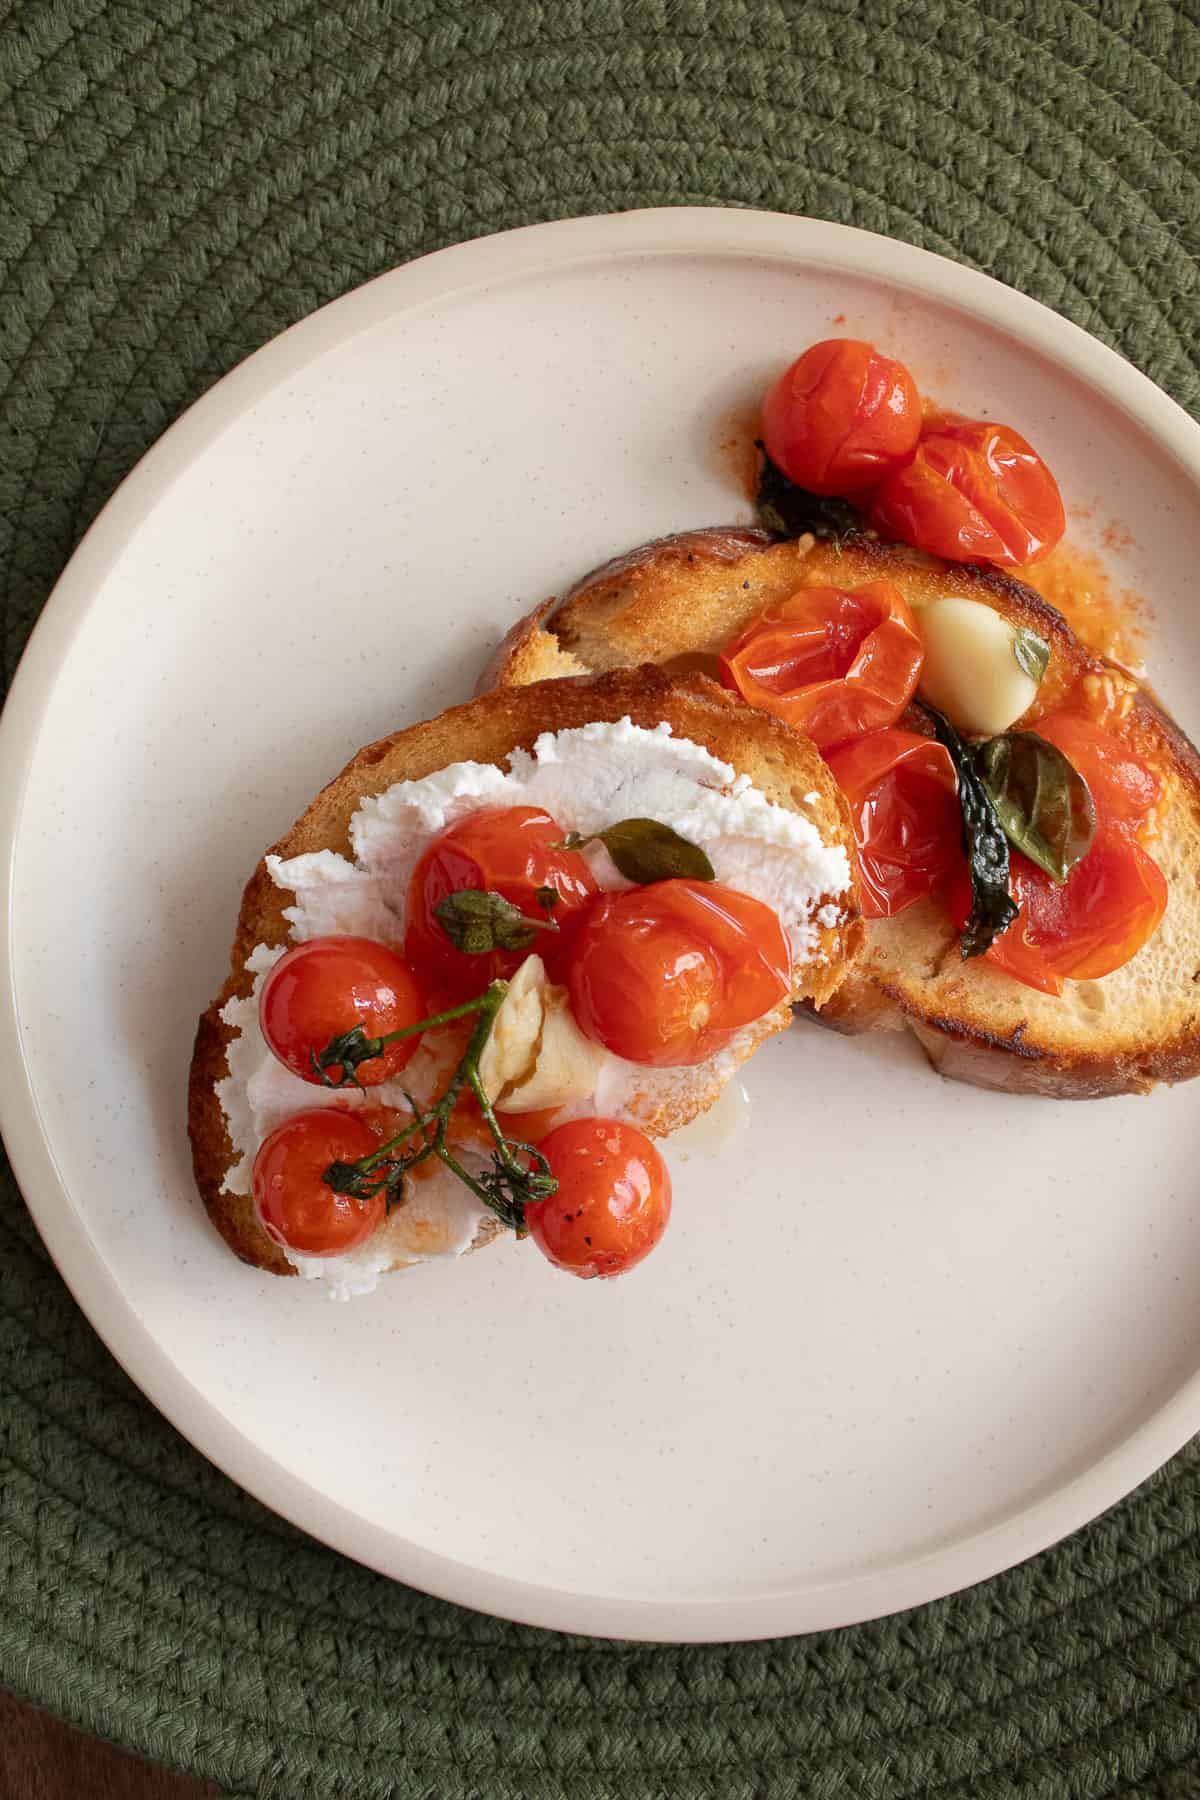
(41, 1759)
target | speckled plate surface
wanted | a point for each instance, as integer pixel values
(902, 1334)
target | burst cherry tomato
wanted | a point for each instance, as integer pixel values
(613, 1199)
(666, 974)
(829, 662)
(841, 417)
(1121, 785)
(327, 986)
(1108, 907)
(973, 492)
(294, 1206)
(509, 851)
(903, 797)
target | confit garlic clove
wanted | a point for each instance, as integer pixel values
(567, 1065)
(970, 672)
(512, 1046)
(536, 1055)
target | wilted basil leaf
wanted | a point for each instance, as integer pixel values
(479, 922)
(993, 908)
(792, 510)
(1032, 653)
(645, 850)
(1042, 801)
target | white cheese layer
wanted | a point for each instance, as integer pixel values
(586, 779)
(440, 1217)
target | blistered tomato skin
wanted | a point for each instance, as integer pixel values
(830, 662)
(613, 1201)
(506, 850)
(1115, 896)
(329, 985)
(841, 417)
(1081, 930)
(1123, 787)
(665, 975)
(903, 797)
(293, 1204)
(973, 492)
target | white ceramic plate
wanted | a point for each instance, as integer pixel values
(901, 1333)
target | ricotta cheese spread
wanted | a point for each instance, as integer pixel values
(586, 778)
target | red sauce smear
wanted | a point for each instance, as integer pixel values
(1113, 622)
(734, 448)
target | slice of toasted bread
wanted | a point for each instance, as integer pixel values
(680, 600)
(783, 767)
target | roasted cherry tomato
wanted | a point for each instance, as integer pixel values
(1093, 923)
(327, 986)
(841, 417)
(974, 492)
(509, 851)
(666, 974)
(613, 1199)
(829, 662)
(903, 797)
(1123, 788)
(294, 1206)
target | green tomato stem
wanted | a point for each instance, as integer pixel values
(434, 1124)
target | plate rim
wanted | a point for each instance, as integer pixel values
(442, 277)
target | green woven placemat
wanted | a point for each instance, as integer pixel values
(179, 182)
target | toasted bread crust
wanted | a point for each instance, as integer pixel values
(528, 653)
(964, 1053)
(681, 599)
(533, 650)
(784, 767)
(212, 1152)
(1008, 1062)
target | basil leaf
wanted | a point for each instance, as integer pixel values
(1032, 654)
(479, 922)
(993, 908)
(791, 511)
(1042, 801)
(645, 850)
